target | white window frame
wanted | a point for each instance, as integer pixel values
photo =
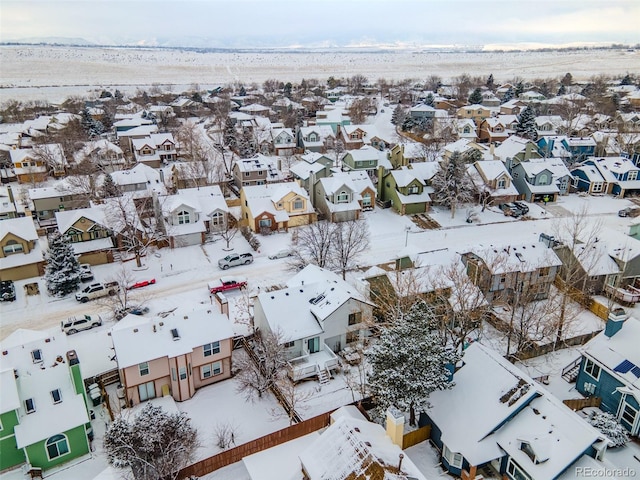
(184, 217)
(502, 182)
(143, 368)
(623, 410)
(211, 370)
(64, 440)
(147, 387)
(217, 219)
(56, 393)
(12, 247)
(26, 405)
(342, 197)
(36, 355)
(633, 175)
(298, 204)
(597, 187)
(182, 373)
(210, 349)
(454, 459)
(589, 371)
(512, 467)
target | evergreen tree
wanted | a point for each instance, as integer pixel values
(398, 115)
(409, 361)
(118, 95)
(608, 425)
(490, 82)
(408, 124)
(242, 91)
(109, 187)
(527, 124)
(475, 97)
(229, 133)
(287, 89)
(627, 80)
(62, 273)
(519, 89)
(452, 184)
(430, 100)
(508, 95)
(196, 97)
(562, 90)
(567, 80)
(105, 94)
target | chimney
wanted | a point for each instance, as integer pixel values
(616, 318)
(10, 193)
(395, 425)
(72, 358)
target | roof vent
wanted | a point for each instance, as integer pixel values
(135, 330)
(175, 334)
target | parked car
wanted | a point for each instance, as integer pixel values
(281, 254)
(226, 283)
(510, 210)
(235, 259)
(76, 324)
(524, 208)
(7, 291)
(120, 313)
(141, 283)
(97, 290)
(629, 212)
(86, 275)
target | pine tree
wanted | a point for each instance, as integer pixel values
(109, 187)
(610, 428)
(490, 82)
(475, 97)
(409, 361)
(430, 100)
(519, 89)
(527, 124)
(567, 80)
(62, 273)
(242, 91)
(229, 133)
(452, 184)
(398, 115)
(562, 90)
(508, 95)
(627, 80)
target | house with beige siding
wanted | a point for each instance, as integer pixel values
(87, 231)
(21, 255)
(173, 355)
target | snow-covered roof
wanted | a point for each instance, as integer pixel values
(36, 380)
(22, 227)
(511, 147)
(405, 176)
(303, 170)
(264, 198)
(261, 465)
(138, 339)
(350, 447)
(530, 412)
(66, 218)
(516, 258)
(207, 200)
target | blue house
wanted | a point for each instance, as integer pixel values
(580, 148)
(615, 175)
(508, 427)
(541, 179)
(610, 369)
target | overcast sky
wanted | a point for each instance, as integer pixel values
(281, 23)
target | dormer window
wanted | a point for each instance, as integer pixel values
(298, 204)
(56, 396)
(412, 190)
(29, 405)
(343, 197)
(184, 217)
(36, 355)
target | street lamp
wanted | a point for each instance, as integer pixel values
(407, 229)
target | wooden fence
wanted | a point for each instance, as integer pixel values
(236, 454)
(416, 436)
(580, 403)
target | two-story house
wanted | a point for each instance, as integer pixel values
(492, 130)
(615, 175)
(514, 428)
(155, 150)
(403, 154)
(520, 273)
(126, 137)
(334, 116)
(49, 200)
(316, 315)
(609, 368)
(257, 170)
(358, 136)
(404, 189)
(33, 165)
(317, 138)
(108, 156)
(284, 141)
(268, 208)
(173, 355)
(44, 414)
(213, 208)
(21, 255)
(541, 180)
(493, 182)
(476, 112)
(515, 150)
(366, 158)
(87, 231)
(344, 195)
(312, 166)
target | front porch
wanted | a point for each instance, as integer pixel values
(313, 364)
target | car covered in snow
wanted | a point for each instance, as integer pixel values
(86, 275)
(76, 324)
(120, 313)
(281, 254)
(7, 291)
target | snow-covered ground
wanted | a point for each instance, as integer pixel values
(55, 73)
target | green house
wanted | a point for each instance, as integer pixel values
(406, 192)
(44, 417)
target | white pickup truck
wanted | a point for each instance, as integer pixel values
(97, 290)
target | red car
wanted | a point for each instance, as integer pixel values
(226, 283)
(142, 283)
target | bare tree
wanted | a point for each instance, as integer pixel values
(230, 230)
(294, 395)
(83, 179)
(312, 244)
(260, 370)
(357, 83)
(359, 109)
(349, 240)
(225, 434)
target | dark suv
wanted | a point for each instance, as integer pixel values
(510, 210)
(524, 208)
(7, 291)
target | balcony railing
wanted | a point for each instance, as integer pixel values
(307, 365)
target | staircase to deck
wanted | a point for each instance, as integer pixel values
(323, 376)
(570, 372)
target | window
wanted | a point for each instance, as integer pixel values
(412, 190)
(210, 370)
(289, 344)
(597, 187)
(543, 272)
(516, 472)
(298, 204)
(217, 219)
(343, 197)
(502, 183)
(147, 391)
(36, 355)
(260, 172)
(628, 415)
(29, 405)
(57, 446)
(366, 200)
(183, 373)
(183, 218)
(515, 175)
(173, 374)
(633, 175)
(591, 369)
(12, 247)
(543, 179)
(56, 396)
(144, 368)
(355, 318)
(211, 349)
(264, 222)
(353, 336)
(246, 174)
(454, 459)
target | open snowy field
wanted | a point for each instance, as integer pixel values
(79, 70)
